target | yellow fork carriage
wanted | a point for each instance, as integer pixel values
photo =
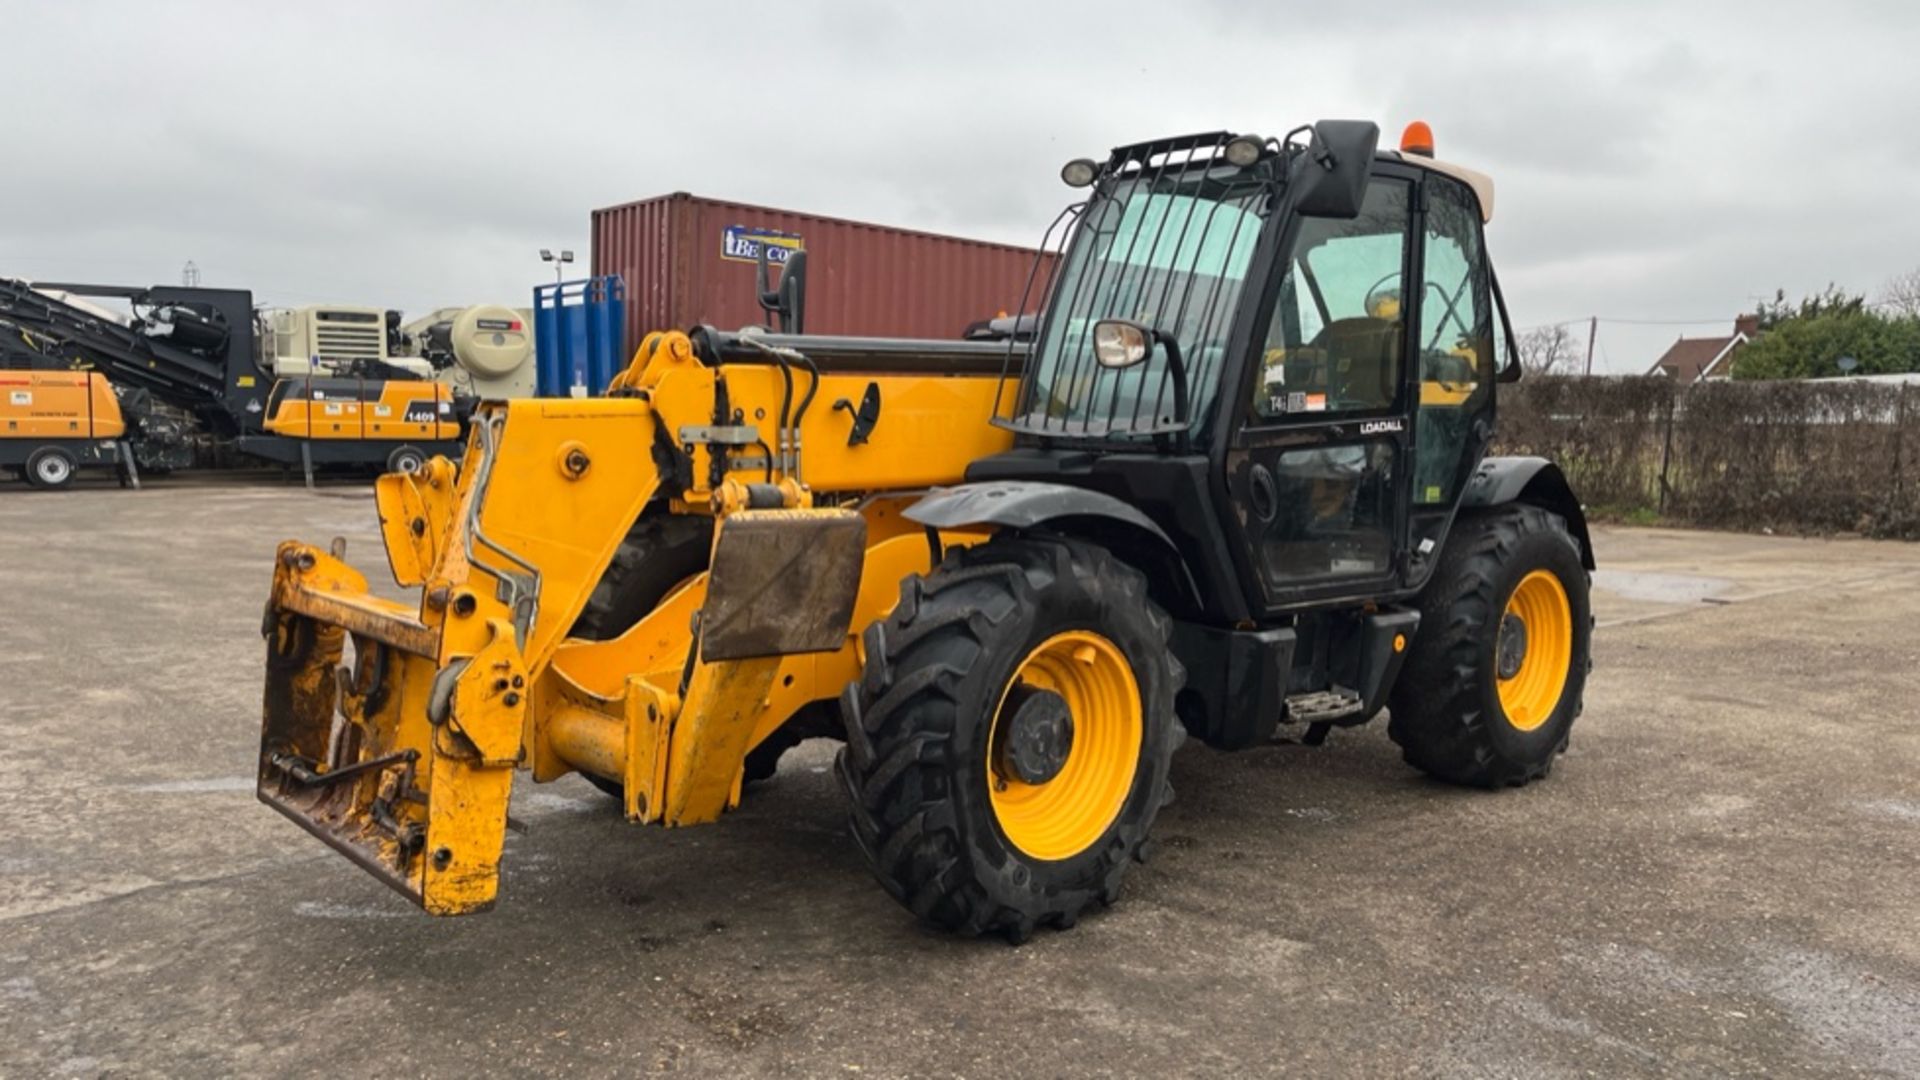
(1233, 476)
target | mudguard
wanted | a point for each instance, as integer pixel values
(1532, 480)
(1022, 504)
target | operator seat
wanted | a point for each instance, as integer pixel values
(1363, 361)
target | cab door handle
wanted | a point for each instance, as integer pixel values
(1263, 498)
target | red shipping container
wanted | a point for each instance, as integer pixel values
(688, 260)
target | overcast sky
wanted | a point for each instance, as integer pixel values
(1654, 161)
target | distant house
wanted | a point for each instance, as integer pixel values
(1691, 360)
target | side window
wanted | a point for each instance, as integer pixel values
(1456, 340)
(1502, 348)
(1334, 345)
(1505, 356)
(1454, 331)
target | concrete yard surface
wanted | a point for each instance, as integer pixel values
(1721, 877)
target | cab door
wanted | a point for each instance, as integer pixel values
(1319, 463)
(1456, 346)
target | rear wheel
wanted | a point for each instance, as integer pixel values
(1496, 673)
(1008, 748)
(50, 468)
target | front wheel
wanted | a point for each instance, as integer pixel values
(1008, 748)
(1496, 673)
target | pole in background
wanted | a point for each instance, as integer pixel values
(1593, 331)
(1666, 445)
(559, 262)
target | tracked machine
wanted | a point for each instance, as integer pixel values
(1233, 483)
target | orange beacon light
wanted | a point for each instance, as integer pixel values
(1417, 139)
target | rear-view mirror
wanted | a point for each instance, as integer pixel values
(1119, 344)
(1330, 179)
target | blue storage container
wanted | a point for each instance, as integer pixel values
(578, 336)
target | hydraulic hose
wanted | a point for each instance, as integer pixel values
(813, 387)
(789, 436)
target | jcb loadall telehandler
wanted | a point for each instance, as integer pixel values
(1235, 478)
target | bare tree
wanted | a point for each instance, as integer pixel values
(1548, 350)
(1901, 294)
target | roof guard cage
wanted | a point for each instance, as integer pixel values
(1163, 239)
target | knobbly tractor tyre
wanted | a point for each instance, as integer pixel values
(1008, 746)
(1494, 679)
(50, 468)
(658, 555)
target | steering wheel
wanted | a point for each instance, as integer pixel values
(1366, 303)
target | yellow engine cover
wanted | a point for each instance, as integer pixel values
(59, 405)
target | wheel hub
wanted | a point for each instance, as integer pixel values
(1511, 652)
(1036, 734)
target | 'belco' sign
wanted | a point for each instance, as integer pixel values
(742, 244)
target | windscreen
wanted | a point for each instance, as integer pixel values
(1168, 247)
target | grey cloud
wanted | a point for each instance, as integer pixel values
(1654, 160)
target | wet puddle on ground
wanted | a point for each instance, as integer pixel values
(1662, 588)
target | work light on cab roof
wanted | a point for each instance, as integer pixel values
(1243, 150)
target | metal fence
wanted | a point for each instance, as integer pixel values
(1799, 456)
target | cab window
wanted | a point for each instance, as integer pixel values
(1456, 340)
(1335, 342)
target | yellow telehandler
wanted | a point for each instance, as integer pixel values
(1232, 477)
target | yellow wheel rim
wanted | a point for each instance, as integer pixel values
(1071, 811)
(1535, 650)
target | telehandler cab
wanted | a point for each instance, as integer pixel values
(1235, 477)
